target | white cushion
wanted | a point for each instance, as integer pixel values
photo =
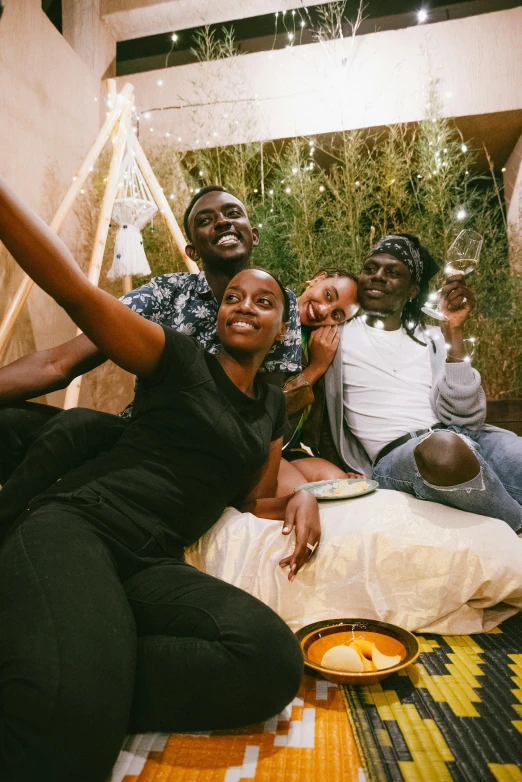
(387, 556)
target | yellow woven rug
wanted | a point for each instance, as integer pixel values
(310, 741)
(453, 716)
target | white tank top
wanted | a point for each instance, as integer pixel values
(386, 385)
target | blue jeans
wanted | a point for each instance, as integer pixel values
(496, 491)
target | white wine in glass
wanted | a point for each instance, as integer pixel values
(463, 256)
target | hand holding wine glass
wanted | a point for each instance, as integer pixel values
(462, 258)
(456, 301)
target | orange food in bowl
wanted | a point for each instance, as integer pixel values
(380, 649)
(360, 655)
(384, 643)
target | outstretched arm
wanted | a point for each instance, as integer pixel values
(48, 370)
(53, 369)
(123, 336)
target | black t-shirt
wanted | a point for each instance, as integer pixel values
(193, 444)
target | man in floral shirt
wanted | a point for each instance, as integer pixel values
(186, 302)
(221, 239)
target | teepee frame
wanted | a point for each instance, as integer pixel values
(117, 124)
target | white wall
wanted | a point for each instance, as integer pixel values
(513, 184)
(89, 36)
(149, 17)
(308, 90)
(48, 121)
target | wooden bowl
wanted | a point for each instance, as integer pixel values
(317, 638)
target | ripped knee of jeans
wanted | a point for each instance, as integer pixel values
(446, 460)
(475, 484)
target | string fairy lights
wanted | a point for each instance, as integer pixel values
(288, 33)
(291, 24)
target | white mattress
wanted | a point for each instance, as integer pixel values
(386, 555)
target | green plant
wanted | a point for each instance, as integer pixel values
(321, 202)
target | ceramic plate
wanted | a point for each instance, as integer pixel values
(317, 638)
(339, 488)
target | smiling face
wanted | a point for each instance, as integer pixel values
(220, 231)
(385, 286)
(250, 318)
(328, 301)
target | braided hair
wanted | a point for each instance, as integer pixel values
(412, 316)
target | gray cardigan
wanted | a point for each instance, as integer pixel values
(456, 397)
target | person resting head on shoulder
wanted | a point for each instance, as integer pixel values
(327, 301)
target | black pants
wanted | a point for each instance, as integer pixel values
(101, 633)
(20, 425)
(42, 445)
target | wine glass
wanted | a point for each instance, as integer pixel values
(463, 255)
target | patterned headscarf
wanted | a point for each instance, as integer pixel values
(417, 258)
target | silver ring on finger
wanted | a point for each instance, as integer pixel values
(464, 299)
(311, 548)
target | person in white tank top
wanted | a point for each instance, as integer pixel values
(404, 402)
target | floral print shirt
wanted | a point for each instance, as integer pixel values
(185, 302)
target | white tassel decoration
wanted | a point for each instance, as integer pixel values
(133, 208)
(129, 255)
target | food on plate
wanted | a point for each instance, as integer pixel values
(359, 656)
(364, 649)
(340, 488)
(342, 658)
(384, 661)
(363, 646)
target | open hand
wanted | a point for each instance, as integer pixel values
(302, 516)
(457, 300)
(322, 346)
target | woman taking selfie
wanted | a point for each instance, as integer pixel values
(103, 627)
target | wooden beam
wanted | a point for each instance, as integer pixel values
(13, 311)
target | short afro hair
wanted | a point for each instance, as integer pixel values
(195, 198)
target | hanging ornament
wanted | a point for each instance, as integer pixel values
(133, 208)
